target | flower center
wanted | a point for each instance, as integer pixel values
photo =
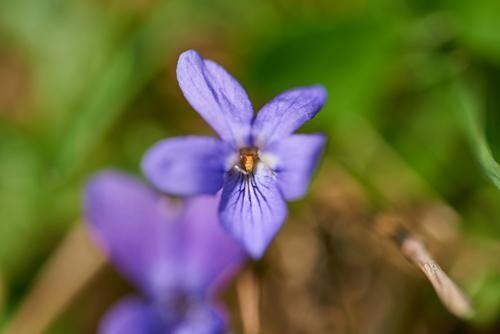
(249, 156)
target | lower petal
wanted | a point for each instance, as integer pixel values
(295, 159)
(186, 166)
(134, 316)
(202, 318)
(252, 209)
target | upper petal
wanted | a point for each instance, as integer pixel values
(212, 256)
(216, 96)
(133, 315)
(294, 160)
(286, 113)
(186, 166)
(137, 228)
(252, 209)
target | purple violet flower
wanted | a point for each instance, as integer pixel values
(176, 255)
(258, 162)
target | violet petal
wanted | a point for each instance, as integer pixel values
(286, 113)
(186, 166)
(216, 96)
(133, 315)
(212, 256)
(252, 209)
(202, 318)
(296, 158)
(137, 229)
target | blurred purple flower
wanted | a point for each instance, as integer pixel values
(176, 255)
(259, 163)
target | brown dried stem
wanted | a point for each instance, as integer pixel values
(248, 297)
(416, 252)
(72, 266)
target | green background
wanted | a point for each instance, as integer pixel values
(414, 102)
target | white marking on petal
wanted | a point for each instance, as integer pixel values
(269, 159)
(231, 161)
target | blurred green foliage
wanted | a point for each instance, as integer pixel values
(410, 83)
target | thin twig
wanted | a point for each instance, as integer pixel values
(73, 265)
(415, 251)
(446, 289)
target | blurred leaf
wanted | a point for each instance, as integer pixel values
(136, 139)
(349, 55)
(472, 119)
(63, 60)
(422, 126)
(481, 213)
(486, 299)
(3, 297)
(20, 190)
(366, 154)
(127, 72)
(478, 25)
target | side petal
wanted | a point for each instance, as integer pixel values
(186, 166)
(134, 316)
(294, 160)
(212, 256)
(216, 96)
(252, 209)
(136, 227)
(286, 113)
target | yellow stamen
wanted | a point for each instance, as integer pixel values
(248, 159)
